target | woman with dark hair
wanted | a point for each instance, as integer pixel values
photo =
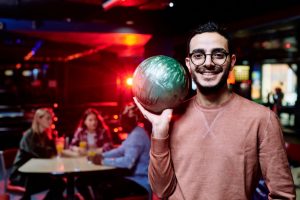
(92, 131)
(132, 155)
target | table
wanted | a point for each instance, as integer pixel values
(68, 167)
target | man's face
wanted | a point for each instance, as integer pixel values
(210, 76)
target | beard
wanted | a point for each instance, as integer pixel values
(216, 69)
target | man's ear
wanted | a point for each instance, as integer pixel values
(187, 63)
(233, 60)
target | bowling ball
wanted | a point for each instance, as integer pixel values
(160, 82)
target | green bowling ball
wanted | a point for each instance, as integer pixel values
(160, 82)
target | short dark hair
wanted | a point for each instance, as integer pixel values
(211, 27)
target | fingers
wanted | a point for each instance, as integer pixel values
(138, 103)
(141, 108)
(167, 113)
(97, 159)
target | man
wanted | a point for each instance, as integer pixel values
(220, 144)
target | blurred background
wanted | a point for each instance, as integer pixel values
(74, 54)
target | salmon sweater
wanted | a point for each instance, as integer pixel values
(220, 154)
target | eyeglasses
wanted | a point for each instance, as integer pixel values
(218, 58)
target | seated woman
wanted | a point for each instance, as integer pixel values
(91, 132)
(38, 142)
(132, 154)
(91, 135)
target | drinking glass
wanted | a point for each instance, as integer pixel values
(91, 153)
(60, 144)
(82, 144)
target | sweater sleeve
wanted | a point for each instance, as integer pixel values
(117, 152)
(273, 160)
(128, 160)
(125, 156)
(161, 173)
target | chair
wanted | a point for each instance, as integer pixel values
(7, 158)
(4, 196)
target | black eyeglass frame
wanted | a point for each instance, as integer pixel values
(205, 54)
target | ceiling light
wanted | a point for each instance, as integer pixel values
(129, 22)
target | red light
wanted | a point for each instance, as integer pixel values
(18, 66)
(231, 78)
(116, 130)
(118, 81)
(116, 116)
(52, 126)
(141, 124)
(123, 136)
(55, 105)
(287, 45)
(55, 119)
(129, 81)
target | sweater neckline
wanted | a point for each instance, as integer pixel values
(215, 108)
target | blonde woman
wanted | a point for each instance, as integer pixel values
(38, 142)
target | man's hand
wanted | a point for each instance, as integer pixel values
(97, 159)
(160, 122)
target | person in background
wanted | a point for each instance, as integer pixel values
(278, 98)
(38, 142)
(132, 154)
(91, 132)
(217, 144)
(92, 135)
